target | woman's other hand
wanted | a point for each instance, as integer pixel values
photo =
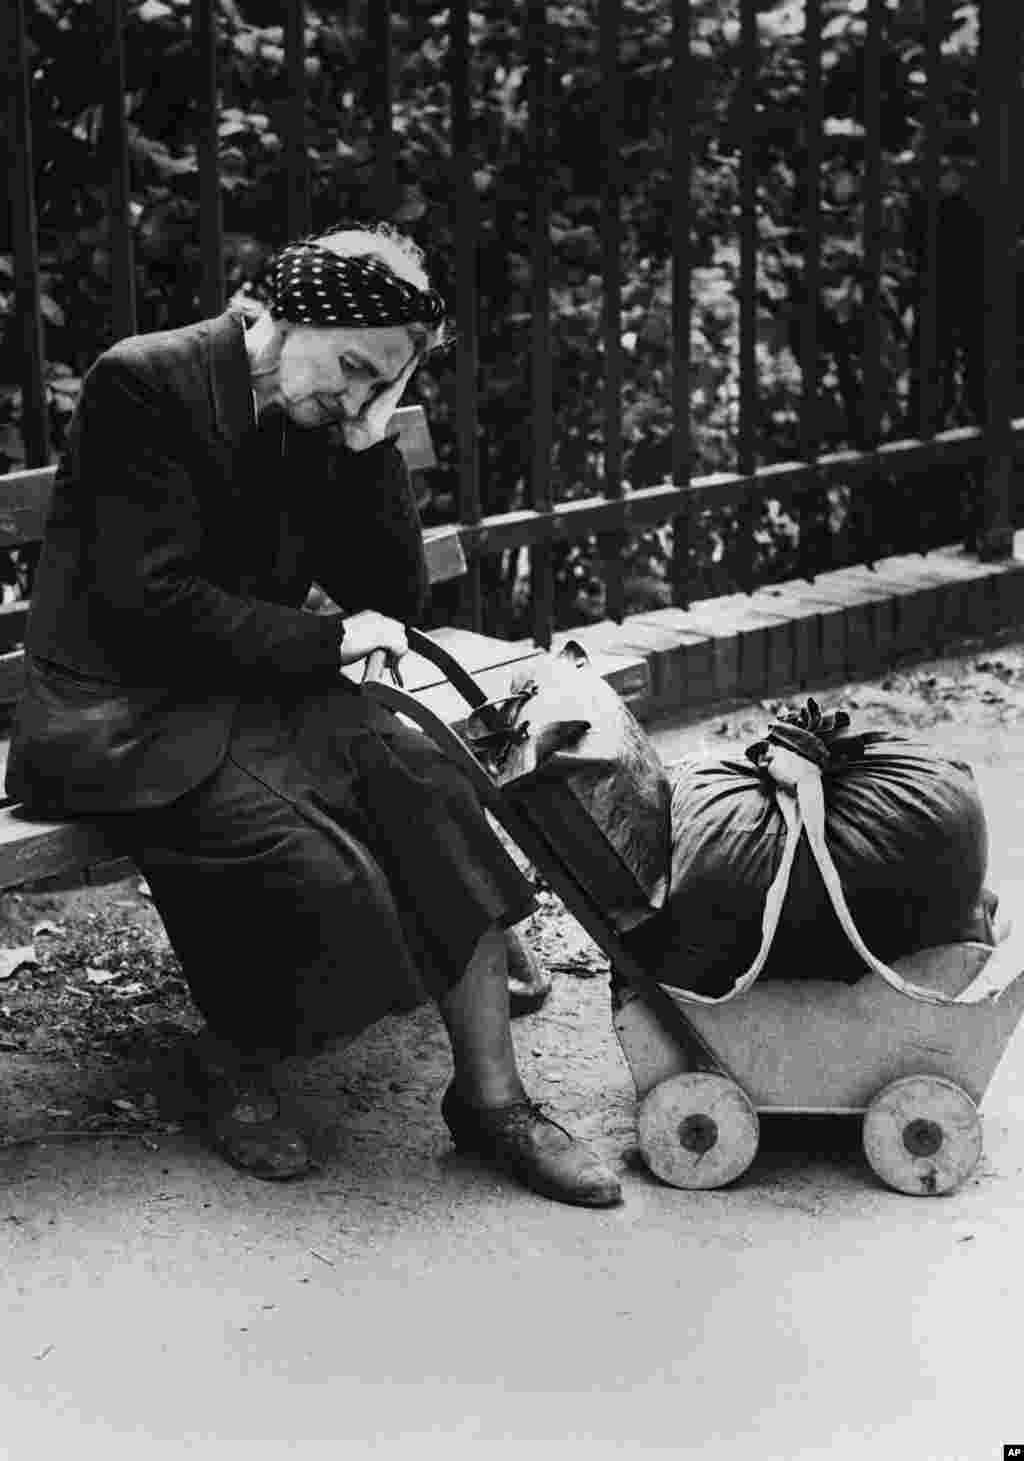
(367, 631)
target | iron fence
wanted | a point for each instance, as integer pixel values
(872, 466)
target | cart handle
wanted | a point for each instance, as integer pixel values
(404, 703)
(449, 666)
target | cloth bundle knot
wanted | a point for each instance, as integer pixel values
(820, 737)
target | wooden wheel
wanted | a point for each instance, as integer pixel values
(697, 1130)
(922, 1135)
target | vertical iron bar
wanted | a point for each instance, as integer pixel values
(999, 105)
(682, 111)
(747, 445)
(871, 215)
(611, 244)
(379, 27)
(466, 228)
(298, 211)
(115, 136)
(809, 417)
(810, 420)
(541, 414)
(211, 237)
(35, 425)
(927, 300)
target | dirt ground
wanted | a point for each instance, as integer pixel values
(404, 1300)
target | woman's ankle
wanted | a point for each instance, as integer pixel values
(221, 1059)
(486, 1092)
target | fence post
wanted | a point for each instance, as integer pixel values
(211, 236)
(682, 112)
(115, 135)
(814, 500)
(539, 82)
(999, 109)
(927, 363)
(861, 516)
(35, 424)
(746, 551)
(385, 177)
(466, 237)
(612, 543)
(296, 162)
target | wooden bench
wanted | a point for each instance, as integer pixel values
(34, 850)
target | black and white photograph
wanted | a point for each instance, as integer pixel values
(511, 730)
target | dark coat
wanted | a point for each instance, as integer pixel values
(178, 551)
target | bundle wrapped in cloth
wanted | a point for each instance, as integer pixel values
(898, 863)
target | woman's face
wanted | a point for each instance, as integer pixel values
(329, 373)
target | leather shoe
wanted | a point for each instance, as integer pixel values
(528, 984)
(242, 1118)
(519, 1139)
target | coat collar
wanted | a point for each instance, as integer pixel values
(230, 384)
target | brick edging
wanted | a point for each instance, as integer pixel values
(784, 638)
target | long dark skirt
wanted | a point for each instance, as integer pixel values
(336, 868)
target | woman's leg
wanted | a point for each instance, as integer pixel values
(487, 1109)
(289, 939)
(476, 1015)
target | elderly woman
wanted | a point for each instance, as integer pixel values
(317, 863)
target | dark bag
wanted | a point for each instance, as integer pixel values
(905, 830)
(568, 752)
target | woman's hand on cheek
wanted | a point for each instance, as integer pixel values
(371, 425)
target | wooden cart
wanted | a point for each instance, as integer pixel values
(913, 1069)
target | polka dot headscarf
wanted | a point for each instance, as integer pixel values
(309, 285)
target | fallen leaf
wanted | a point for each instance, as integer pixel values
(99, 976)
(47, 926)
(11, 960)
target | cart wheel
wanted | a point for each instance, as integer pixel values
(697, 1130)
(922, 1135)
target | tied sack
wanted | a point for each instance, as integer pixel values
(904, 830)
(569, 754)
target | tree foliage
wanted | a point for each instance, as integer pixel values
(344, 84)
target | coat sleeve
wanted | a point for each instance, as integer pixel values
(148, 548)
(370, 553)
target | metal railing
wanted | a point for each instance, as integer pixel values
(620, 510)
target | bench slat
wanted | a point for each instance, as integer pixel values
(30, 849)
(12, 676)
(24, 501)
(12, 624)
